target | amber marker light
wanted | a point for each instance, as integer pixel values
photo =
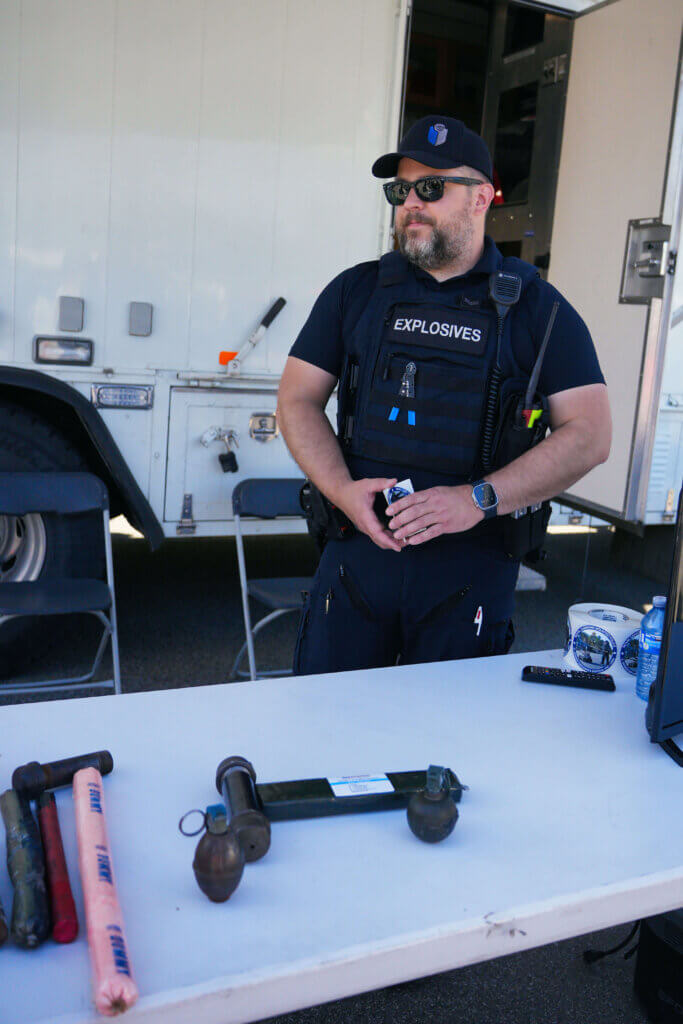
(226, 357)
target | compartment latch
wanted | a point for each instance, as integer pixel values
(646, 262)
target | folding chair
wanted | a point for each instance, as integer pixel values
(63, 494)
(266, 499)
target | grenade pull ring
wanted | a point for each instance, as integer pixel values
(202, 827)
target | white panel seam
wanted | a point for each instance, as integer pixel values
(193, 255)
(273, 247)
(13, 353)
(112, 121)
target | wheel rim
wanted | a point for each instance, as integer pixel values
(22, 548)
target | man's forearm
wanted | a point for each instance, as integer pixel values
(314, 445)
(548, 469)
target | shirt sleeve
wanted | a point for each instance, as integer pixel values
(570, 359)
(320, 339)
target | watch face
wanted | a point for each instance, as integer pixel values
(485, 496)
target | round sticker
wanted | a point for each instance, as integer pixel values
(568, 638)
(594, 648)
(629, 653)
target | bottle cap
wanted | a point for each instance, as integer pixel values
(659, 601)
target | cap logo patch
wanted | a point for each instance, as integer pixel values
(437, 134)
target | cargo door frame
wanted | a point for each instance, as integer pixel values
(628, 508)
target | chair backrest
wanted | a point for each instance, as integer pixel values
(63, 493)
(268, 498)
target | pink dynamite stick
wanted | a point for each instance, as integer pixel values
(113, 985)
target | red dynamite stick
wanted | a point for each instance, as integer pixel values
(62, 906)
(113, 986)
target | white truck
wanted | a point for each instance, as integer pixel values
(170, 168)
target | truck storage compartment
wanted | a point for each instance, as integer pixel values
(206, 423)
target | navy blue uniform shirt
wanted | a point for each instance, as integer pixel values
(570, 360)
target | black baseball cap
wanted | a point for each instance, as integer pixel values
(438, 141)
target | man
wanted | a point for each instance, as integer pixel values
(427, 362)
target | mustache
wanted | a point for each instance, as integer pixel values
(417, 218)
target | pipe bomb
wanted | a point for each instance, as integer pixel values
(30, 922)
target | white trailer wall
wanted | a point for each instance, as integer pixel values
(202, 155)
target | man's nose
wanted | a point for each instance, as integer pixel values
(413, 201)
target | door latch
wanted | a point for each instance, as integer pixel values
(646, 262)
(230, 437)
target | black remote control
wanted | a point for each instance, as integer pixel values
(567, 677)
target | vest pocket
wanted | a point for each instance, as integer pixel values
(424, 407)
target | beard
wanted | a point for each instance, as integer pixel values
(446, 244)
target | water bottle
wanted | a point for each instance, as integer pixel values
(649, 646)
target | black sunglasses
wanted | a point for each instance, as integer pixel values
(428, 189)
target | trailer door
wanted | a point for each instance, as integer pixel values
(620, 163)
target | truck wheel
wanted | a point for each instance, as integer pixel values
(40, 546)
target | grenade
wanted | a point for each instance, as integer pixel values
(219, 858)
(432, 813)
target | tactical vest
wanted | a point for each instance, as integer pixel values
(416, 369)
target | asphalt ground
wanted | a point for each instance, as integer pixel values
(180, 624)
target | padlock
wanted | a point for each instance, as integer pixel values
(228, 461)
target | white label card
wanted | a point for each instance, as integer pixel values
(360, 785)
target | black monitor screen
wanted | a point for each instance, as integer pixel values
(667, 710)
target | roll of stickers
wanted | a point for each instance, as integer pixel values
(603, 638)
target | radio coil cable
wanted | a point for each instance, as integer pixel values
(504, 292)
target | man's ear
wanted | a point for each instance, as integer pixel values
(484, 194)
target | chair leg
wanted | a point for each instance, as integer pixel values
(116, 668)
(54, 684)
(245, 597)
(73, 682)
(262, 622)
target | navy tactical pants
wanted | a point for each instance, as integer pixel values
(448, 598)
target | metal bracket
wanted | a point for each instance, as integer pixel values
(646, 261)
(187, 525)
(554, 69)
(263, 426)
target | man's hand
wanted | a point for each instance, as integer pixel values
(427, 514)
(356, 499)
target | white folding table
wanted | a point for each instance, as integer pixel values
(572, 823)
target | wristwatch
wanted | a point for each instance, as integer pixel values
(485, 498)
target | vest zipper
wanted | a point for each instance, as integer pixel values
(407, 389)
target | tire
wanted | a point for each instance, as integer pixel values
(40, 546)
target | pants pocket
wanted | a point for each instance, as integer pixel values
(356, 595)
(303, 623)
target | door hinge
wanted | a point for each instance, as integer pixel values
(671, 263)
(187, 524)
